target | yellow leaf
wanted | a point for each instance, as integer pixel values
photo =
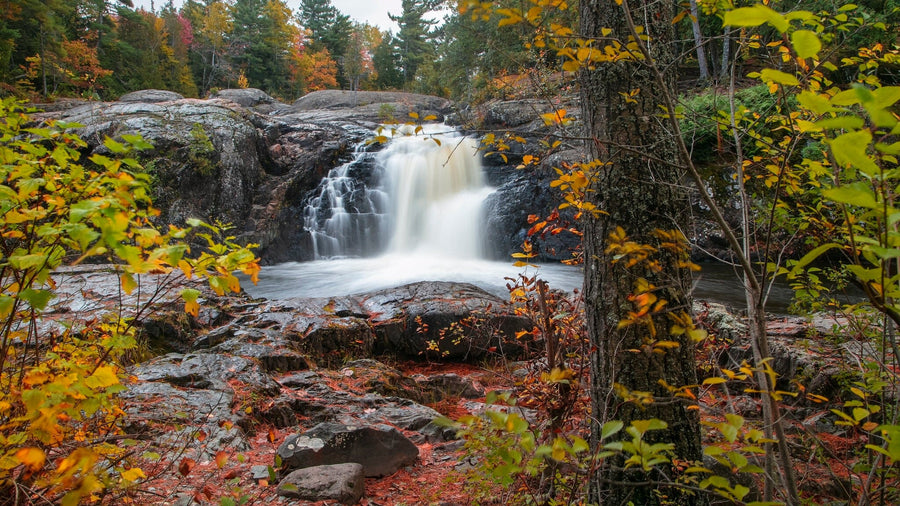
(31, 458)
(234, 284)
(103, 377)
(133, 474)
(128, 282)
(36, 377)
(192, 308)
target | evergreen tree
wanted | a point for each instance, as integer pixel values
(33, 30)
(386, 61)
(260, 40)
(356, 62)
(414, 38)
(328, 29)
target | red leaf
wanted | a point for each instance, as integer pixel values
(185, 466)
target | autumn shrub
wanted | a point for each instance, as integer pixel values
(59, 414)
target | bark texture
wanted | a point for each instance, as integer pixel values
(641, 190)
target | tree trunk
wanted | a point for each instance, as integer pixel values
(698, 42)
(641, 190)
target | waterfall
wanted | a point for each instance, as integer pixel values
(347, 217)
(421, 195)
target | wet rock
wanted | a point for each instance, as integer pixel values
(408, 320)
(206, 370)
(344, 483)
(380, 449)
(152, 401)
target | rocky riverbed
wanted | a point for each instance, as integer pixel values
(335, 399)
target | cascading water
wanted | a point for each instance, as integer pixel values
(348, 216)
(411, 212)
(436, 189)
(421, 195)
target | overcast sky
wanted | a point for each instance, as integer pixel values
(374, 12)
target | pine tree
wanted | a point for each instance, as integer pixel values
(413, 41)
(386, 61)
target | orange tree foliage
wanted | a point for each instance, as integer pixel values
(58, 404)
(312, 70)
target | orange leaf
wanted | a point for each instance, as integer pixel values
(31, 458)
(221, 459)
(186, 465)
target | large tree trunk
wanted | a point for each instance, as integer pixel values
(641, 190)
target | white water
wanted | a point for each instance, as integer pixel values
(419, 221)
(436, 187)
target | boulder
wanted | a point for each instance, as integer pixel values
(383, 103)
(151, 96)
(245, 97)
(344, 483)
(380, 449)
(206, 370)
(408, 321)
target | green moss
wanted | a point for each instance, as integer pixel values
(201, 151)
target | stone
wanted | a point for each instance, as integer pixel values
(259, 472)
(454, 385)
(207, 370)
(246, 97)
(380, 449)
(344, 483)
(399, 312)
(151, 96)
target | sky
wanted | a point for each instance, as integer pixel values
(374, 12)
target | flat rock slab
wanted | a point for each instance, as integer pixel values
(380, 449)
(344, 483)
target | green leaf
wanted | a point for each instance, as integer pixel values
(777, 76)
(37, 299)
(811, 256)
(846, 97)
(32, 261)
(886, 96)
(610, 428)
(806, 43)
(6, 305)
(856, 194)
(850, 149)
(755, 16)
(579, 444)
(819, 104)
(841, 123)
(114, 146)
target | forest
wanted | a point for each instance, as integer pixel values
(775, 124)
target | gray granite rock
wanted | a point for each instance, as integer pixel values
(344, 483)
(380, 449)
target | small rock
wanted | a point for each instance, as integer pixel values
(259, 472)
(453, 385)
(340, 482)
